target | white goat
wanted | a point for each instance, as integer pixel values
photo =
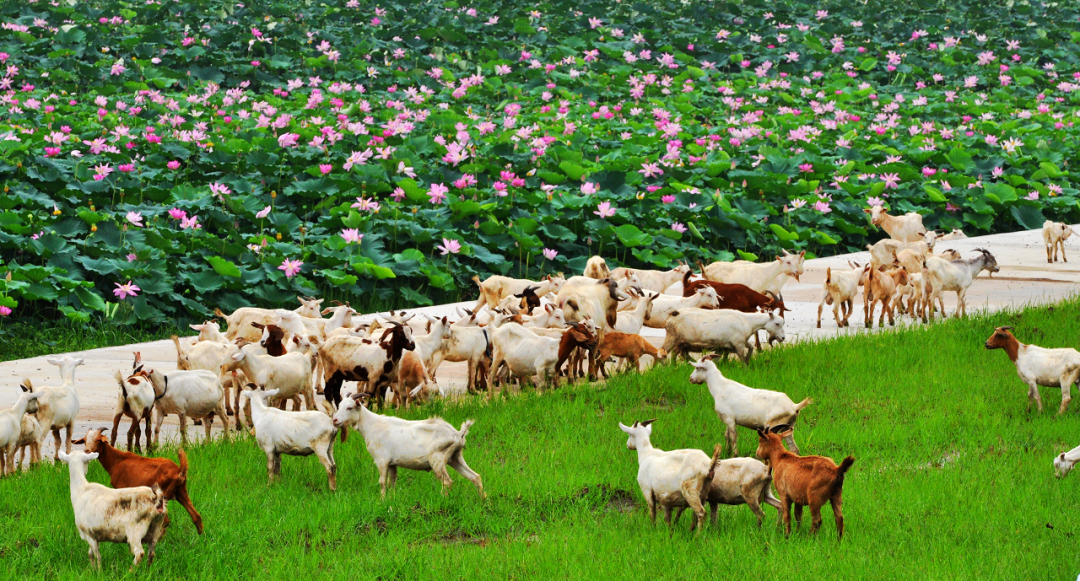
(289, 375)
(656, 281)
(739, 405)
(524, 352)
(58, 406)
(841, 288)
(884, 252)
(664, 305)
(431, 444)
(956, 234)
(597, 268)
(671, 479)
(956, 276)
(758, 276)
(598, 301)
(906, 228)
(136, 401)
(496, 288)
(127, 515)
(720, 330)
(292, 433)
(631, 321)
(1039, 366)
(1065, 461)
(1054, 235)
(31, 432)
(11, 430)
(196, 394)
(209, 331)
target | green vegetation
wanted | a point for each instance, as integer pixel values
(953, 480)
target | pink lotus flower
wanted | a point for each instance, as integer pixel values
(219, 189)
(173, 164)
(1033, 195)
(135, 218)
(550, 254)
(500, 188)
(806, 167)
(678, 227)
(667, 199)
(52, 151)
(264, 212)
(822, 206)
(291, 267)
(928, 171)
(352, 235)
(892, 180)
(288, 139)
(326, 168)
(650, 169)
(127, 167)
(4, 311)
(449, 247)
(604, 210)
(589, 188)
(874, 201)
(191, 223)
(126, 290)
(438, 192)
(177, 214)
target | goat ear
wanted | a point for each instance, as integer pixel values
(79, 442)
(258, 325)
(626, 428)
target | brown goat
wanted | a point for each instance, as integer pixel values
(127, 470)
(579, 336)
(736, 296)
(626, 346)
(803, 481)
(880, 287)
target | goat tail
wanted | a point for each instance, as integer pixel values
(464, 431)
(828, 275)
(183, 462)
(476, 279)
(218, 313)
(713, 464)
(845, 465)
(176, 341)
(803, 404)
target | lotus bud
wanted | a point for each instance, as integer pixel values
(93, 227)
(278, 235)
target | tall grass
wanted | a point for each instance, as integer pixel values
(952, 480)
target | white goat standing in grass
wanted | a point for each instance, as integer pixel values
(126, 515)
(431, 444)
(291, 433)
(671, 479)
(739, 405)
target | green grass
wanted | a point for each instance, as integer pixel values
(953, 480)
(25, 338)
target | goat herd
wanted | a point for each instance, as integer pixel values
(519, 331)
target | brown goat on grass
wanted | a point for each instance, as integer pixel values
(127, 470)
(803, 481)
(626, 346)
(579, 336)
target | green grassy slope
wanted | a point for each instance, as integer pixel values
(953, 480)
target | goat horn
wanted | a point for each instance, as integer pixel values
(647, 422)
(1006, 328)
